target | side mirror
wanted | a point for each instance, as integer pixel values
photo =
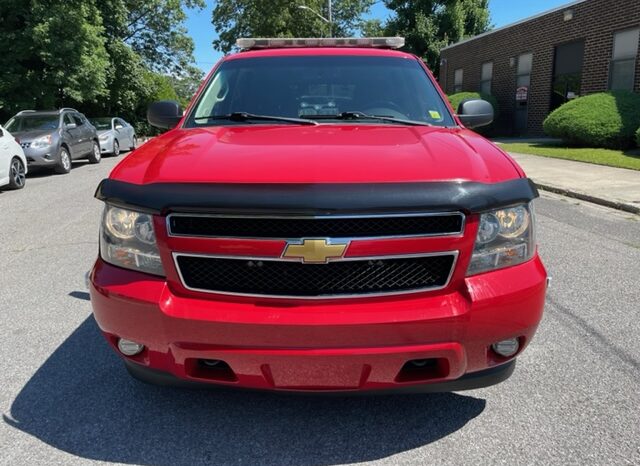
(70, 126)
(1, 133)
(165, 114)
(475, 113)
(119, 127)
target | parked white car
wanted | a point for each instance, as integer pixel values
(13, 163)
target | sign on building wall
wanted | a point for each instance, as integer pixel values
(522, 94)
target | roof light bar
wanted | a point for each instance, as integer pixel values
(367, 42)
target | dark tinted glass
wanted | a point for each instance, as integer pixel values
(307, 86)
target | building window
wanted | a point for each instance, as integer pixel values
(486, 77)
(525, 64)
(567, 73)
(457, 80)
(623, 65)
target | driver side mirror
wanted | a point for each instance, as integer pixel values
(475, 113)
(165, 114)
(70, 126)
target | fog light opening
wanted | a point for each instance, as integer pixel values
(211, 362)
(129, 348)
(506, 348)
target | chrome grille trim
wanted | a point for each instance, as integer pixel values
(455, 255)
(321, 217)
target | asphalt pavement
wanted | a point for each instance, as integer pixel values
(66, 399)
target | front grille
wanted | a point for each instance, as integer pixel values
(294, 279)
(322, 227)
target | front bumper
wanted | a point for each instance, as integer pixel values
(41, 157)
(347, 345)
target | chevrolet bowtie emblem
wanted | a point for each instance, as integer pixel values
(315, 251)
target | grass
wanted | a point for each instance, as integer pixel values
(613, 158)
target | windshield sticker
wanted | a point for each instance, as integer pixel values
(434, 114)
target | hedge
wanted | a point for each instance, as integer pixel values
(608, 120)
(638, 137)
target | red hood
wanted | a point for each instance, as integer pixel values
(316, 154)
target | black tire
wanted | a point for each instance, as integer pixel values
(95, 156)
(134, 142)
(17, 174)
(116, 148)
(64, 162)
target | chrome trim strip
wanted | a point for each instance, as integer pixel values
(321, 217)
(455, 255)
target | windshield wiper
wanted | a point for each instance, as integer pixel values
(365, 116)
(244, 116)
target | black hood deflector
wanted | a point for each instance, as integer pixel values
(317, 199)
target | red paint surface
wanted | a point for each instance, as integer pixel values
(339, 344)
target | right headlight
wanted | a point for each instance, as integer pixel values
(128, 240)
(506, 237)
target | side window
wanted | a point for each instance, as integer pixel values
(68, 120)
(118, 124)
(78, 120)
(486, 78)
(458, 79)
(623, 63)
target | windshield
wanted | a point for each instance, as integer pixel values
(319, 88)
(33, 123)
(101, 123)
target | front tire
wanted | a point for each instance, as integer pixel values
(116, 148)
(96, 155)
(134, 142)
(17, 174)
(64, 162)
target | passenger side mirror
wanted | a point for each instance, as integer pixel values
(165, 114)
(1, 133)
(475, 113)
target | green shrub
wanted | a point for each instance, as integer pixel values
(456, 100)
(599, 120)
(638, 137)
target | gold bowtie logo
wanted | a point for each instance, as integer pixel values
(315, 251)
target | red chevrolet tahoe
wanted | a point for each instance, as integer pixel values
(319, 219)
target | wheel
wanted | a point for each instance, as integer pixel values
(64, 162)
(96, 155)
(116, 147)
(134, 142)
(17, 174)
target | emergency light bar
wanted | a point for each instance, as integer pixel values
(369, 42)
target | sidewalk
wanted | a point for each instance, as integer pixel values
(612, 187)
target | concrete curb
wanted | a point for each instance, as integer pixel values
(589, 198)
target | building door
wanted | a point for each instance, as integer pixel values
(567, 73)
(523, 87)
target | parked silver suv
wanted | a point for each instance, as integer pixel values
(55, 138)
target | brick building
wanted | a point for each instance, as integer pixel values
(535, 65)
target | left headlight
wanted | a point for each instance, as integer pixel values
(104, 137)
(128, 240)
(44, 141)
(506, 237)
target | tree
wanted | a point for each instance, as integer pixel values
(283, 18)
(429, 25)
(57, 55)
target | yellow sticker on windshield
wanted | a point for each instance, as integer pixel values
(435, 114)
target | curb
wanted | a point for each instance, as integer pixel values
(589, 198)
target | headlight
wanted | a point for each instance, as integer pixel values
(127, 239)
(506, 237)
(104, 137)
(44, 141)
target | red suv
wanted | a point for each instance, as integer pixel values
(319, 220)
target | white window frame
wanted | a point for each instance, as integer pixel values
(629, 58)
(458, 83)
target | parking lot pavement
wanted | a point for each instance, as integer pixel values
(66, 399)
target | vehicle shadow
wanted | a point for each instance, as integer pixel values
(82, 401)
